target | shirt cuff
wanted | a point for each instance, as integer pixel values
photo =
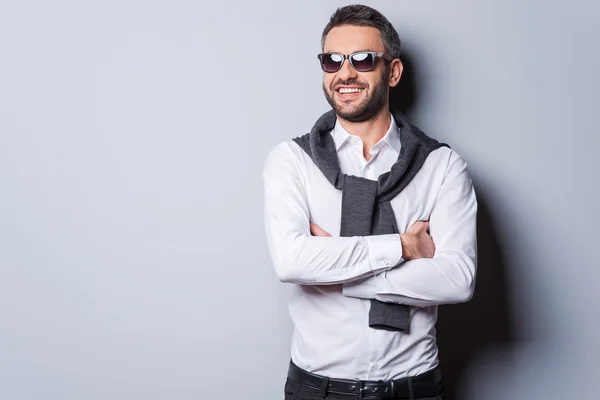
(363, 289)
(385, 251)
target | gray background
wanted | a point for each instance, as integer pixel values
(132, 138)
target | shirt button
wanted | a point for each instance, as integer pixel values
(375, 367)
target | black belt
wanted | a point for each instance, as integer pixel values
(428, 384)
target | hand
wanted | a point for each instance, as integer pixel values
(316, 230)
(416, 243)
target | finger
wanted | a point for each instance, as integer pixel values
(316, 230)
(322, 232)
(425, 227)
(419, 227)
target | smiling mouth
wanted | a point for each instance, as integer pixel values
(345, 90)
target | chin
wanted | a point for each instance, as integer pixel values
(352, 110)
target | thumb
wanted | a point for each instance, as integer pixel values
(419, 226)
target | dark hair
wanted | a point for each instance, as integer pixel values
(361, 15)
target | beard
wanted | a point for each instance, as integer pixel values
(366, 109)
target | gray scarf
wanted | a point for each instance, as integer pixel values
(366, 208)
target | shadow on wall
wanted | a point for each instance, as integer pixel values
(484, 323)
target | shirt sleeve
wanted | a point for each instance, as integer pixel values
(448, 277)
(301, 258)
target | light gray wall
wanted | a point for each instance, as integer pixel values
(132, 138)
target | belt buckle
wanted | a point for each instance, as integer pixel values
(366, 394)
(359, 387)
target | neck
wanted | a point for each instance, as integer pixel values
(370, 131)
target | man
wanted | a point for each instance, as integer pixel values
(373, 223)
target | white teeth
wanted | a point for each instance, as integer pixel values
(350, 90)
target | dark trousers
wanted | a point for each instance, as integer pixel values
(296, 391)
(293, 391)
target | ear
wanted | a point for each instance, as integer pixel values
(396, 69)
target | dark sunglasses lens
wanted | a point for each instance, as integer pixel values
(331, 62)
(362, 61)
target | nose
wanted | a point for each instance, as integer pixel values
(347, 72)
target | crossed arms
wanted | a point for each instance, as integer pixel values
(392, 268)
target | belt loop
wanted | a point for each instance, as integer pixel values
(325, 387)
(411, 392)
(393, 389)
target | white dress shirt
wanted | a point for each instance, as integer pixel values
(334, 277)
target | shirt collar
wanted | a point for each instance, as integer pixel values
(340, 136)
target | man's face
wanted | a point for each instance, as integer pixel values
(372, 97)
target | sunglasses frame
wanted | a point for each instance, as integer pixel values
(348, 57)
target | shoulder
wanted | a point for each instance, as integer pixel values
(447, 154)
(448, 161)
(285, 157)
(286, 151)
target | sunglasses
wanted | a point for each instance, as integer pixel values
(362, 61)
